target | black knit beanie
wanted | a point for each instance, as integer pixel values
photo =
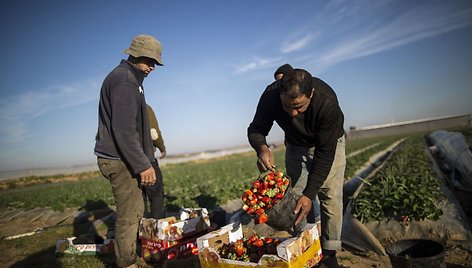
(283, 69)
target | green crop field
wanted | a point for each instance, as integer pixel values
(209, 183)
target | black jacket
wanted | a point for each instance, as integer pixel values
(319, 126)
(123, 128)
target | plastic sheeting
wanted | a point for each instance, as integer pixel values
(454, 151)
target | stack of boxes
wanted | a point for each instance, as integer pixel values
(171, 238)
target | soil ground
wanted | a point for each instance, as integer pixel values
(15, 222)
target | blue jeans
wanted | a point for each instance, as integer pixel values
(298, 161)
(129, 208)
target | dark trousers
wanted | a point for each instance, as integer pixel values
(154, 195)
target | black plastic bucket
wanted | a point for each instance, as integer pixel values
(416, 253)
(281, 216)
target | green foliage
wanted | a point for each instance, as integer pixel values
(58, 196)
(213, 182)
(353, 145)
(405, 186)
(208, 183)
(358, 160)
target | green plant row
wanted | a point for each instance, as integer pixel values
(208, 183)
(404, 189)
(58, 196)
(357, 161)
(353, 145)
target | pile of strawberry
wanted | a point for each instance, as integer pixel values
(264, 194)
(249, 249)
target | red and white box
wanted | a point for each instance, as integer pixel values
(192, 221)
(159, 251)
(302, 251)
(171, 238)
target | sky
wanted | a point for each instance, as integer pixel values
(388, 61)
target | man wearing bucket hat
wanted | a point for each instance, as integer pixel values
(123, 146)
(307, 110)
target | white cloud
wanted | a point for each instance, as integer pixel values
(416, 24)
(256, 63)
(296, 45)
(17, 111)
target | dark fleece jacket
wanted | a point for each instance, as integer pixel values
(123, 128)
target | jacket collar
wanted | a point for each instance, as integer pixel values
(138, 73)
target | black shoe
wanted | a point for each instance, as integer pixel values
(329, 261)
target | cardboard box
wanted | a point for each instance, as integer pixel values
(171, 238)
(294, 252)
(67, 246)
(159, 251)
(192, 221)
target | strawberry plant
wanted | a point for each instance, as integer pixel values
(354, 162)
(405, 188)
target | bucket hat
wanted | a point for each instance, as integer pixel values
(145, 46)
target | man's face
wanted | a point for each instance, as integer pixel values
(145, 64)
(295, 104)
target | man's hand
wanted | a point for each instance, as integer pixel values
(303, 206)
(265, 160)
(163, 154)
(148, 177)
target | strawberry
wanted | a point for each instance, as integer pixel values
(262, 218)
(266, 200)
(256, 184)
(265, 184)
(258, 243)
(259, 211)
(264, 193)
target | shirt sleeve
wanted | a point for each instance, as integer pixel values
(325, 149)
(262, 122)
(153, 124)
(125, 104)
(159, 143)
